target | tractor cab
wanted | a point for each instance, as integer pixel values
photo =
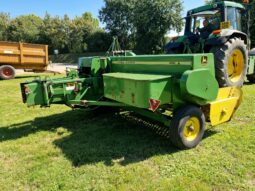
(223, 15)
(196, 23)
(223, 19)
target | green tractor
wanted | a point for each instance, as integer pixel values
(219, 28)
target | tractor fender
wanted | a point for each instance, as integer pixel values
(252, 52)
(225, 35)
(234, 33)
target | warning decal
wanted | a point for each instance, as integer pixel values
(154, 104)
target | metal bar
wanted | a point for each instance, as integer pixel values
(45, 94)
(96, 103)
(159, 117)
(83, 93)
(64, 81)
(166, 120)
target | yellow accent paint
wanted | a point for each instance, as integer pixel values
(227, 102)
(235, 65)
(191, 129)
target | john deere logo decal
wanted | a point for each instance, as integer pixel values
(204, 60)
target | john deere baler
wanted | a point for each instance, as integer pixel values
(179, 91)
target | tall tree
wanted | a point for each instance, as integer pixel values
(144, 21)
(4, 24)
(99, 41)
(89, 26)
(67, 35)
(25, 28)
(153, 18)
(54, 32)
(118, 17)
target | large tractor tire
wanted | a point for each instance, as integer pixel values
(251, 78)
(7, 72)
(231, 61)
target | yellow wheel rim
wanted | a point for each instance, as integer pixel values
(235, 65)
(192, 129)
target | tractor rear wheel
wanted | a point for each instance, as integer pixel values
(187, 127)
(7, 72)
(251, 78)
(231, 61)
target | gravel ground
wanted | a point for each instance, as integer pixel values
(56, 67)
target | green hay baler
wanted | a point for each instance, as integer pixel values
(179, 91)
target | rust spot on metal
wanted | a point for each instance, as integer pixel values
(27, 90)
(113, 95)
(122, 93)
(133, 97)
(84, 103)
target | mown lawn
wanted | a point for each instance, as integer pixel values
(60, 149)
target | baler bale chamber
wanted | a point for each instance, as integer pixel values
(179, 91)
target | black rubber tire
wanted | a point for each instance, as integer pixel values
(11, 74)
(251, 78)
(221, 57)
(181, 116)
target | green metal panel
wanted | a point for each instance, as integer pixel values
(156, 68)
(251, 68)
(58, 91)
(33, 93)
(161, 64)
(199, 86)
(155, 58)
(85, 61)
(137, 89)
(97, 65)
(204, 61)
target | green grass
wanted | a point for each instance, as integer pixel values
(60, 149)
(72, 58)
